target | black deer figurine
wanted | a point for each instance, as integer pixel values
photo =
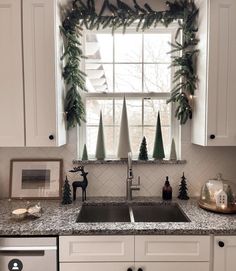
(83, 184)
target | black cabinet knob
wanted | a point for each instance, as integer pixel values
(221, 244)
(212, 136)
(129, 269)
(51, 137)
(140, 269)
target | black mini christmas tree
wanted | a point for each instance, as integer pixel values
(66, 196)
(183, 190)
(143, 154)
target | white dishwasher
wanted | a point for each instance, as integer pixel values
(28, 254)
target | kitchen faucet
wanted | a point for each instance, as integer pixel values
(129, 181)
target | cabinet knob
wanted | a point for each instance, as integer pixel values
(129, 269)
(212, 136)
(140, 269)
(51, 137)
(221, 244)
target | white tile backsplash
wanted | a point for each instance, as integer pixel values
(109, 180)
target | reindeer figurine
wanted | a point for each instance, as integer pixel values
(83, 184)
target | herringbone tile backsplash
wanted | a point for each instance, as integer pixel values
(109, 180)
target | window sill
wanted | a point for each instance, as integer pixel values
(124, 161)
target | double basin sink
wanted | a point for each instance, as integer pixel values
(134, 212)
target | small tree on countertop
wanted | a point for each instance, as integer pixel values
(66, 195)
(183, 190)
(143, 154)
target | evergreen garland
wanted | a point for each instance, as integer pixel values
(83, 14)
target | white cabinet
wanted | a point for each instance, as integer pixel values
(130, 253)
(224, 253)
(213, 121)
(11, 78)
(35, 116)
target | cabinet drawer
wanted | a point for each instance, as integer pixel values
(98, 266)
(172, 248)
(96, 248)
(170, 266)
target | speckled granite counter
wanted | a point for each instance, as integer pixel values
(61, 220)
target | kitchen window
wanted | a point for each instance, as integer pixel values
(135, 65)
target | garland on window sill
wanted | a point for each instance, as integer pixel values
(83, 14)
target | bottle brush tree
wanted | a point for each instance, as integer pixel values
(158, 152)
(183, 190)
(143, 153)
(66, 195)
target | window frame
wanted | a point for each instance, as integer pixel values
(174, 125)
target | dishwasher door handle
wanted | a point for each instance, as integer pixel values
(25, 249)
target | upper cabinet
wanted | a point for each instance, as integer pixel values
(37, 105)
(213, 121)
(11, 79)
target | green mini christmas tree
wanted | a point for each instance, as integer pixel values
(66, 195)
(173, 155)
(183, 190)
(100, 150)
(143, 154)
(158, 152)
(85, 153)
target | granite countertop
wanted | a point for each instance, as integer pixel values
(58, 219)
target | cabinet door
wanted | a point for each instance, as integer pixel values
(172, 266)
(41, 93)
(96, 248)
(224, 253)
(172, 248)
(114, 266)
(221, 74)
(11, 75)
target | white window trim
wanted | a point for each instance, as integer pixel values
(175, 126)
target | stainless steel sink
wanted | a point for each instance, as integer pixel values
(159, 213)
(134, 212)
(104, 213)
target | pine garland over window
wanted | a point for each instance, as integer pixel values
(83, 15)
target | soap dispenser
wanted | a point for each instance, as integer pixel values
(167, 190)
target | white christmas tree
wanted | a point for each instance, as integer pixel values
(124, 142)
(100, 150)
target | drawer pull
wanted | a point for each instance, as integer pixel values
(140, 269)
(129, 269)
(212, 136)
(221, 244)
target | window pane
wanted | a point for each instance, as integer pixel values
(91, 140)
(151, 108)
(134, 111)
(99, 77)
(128, 78)
(99, 47)
(93, 107)
(128, 47)
(135, 139)
(156, 47)
(109, 140)
(157, 78)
